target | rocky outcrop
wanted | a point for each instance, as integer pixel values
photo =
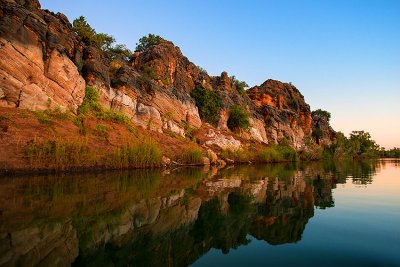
(286, 115)
(44, 64)
(37, 54)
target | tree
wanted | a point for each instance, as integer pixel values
(84, 30)
(90, 37)
(362, 143)
(239, 85)
(321, 114)
(238, 118)
(147, 41)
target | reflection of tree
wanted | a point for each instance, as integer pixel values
(283, 219)
(323, 192)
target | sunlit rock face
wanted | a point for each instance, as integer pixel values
(286, 114)
(37, 59)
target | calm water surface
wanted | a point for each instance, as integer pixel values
(319, 214)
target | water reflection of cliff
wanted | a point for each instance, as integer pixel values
(153, 218)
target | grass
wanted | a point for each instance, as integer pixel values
(239, 155)
(146, 154)
(192, 156)
(277, 153)
(58, 153)
(46, 116)
(101, 130)
(5, 116)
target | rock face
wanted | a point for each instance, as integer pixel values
(37, 55)
(154, 90)
(286, 115)
(44, 64)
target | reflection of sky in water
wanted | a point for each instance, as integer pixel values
(363, 229)
(305, 214)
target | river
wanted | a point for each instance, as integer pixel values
(304, 214)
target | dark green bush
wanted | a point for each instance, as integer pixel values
(238, 118)
(208, 102)
(147, 41)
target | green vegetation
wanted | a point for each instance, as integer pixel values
(208, 102)
(46, 116)
(277, 153)
(239, 85)
(58, 153)
(358, 145)
(391, 153)
(5, 116)
(239, 155)
(146, 154)
(89, 35)
(192, 156)
(92, 105)
(103, 41)
(321, 114)
(238, 118)
(101, 130)
(147, 41)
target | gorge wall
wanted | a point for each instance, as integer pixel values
(44, 64)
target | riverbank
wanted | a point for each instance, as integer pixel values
(54, 141)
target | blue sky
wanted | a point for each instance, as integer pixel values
(343, 55)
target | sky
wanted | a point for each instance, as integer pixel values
(343, 55)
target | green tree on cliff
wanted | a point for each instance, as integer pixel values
(147, 41)
(321, 114)
(89, 36)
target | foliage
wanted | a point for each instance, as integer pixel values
(103, 41)
(145, 154)
(208, 102)
(238, 118)
(358, 145)
(362, 143)
(321, 114)
(147, 41)
(391, 153)
(239, 85)
(89, 35)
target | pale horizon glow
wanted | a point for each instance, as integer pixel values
(343, 56)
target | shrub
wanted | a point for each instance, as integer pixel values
(141, 155)
(208, 102)
(238, 118)
(147, 41)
